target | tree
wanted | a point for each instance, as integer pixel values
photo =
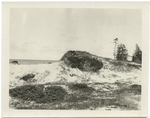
(115, 41)
(122, 52)
(137, 55)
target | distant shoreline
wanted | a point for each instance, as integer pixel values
(27, 61)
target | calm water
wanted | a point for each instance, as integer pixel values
(24, 62)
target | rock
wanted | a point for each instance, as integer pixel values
(15, 62)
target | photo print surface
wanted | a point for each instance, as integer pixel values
(75, 59)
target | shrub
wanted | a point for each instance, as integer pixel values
(27, 92)
(82, 87)
(79, 86)
(82, 60)
(80, 92)
(27, 77)
(134, 89)
(36, 93)
(55, 93)
(117, 63)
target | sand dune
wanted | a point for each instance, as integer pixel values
(58, 72)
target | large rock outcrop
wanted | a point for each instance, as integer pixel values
(82, 60)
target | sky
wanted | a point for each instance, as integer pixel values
(48, 33)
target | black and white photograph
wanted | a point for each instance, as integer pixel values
(76, 59)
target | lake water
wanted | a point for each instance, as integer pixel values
(26, 62)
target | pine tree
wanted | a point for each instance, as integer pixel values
(122, 52)
(137, 56)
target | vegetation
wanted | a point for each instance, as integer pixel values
(27, 77)
(81, 86)
(55, 93)
(82, 60)
(115, 41)
(36, 93)
(55, 97)
(122, 52)
(122, 94)
(137, 56)
(27, 92)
